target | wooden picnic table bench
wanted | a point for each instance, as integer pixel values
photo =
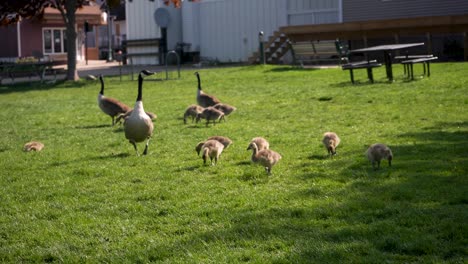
(307, 52)
(30, 69)
(408, 65)
(368, 65)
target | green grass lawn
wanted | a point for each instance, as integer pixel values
(88, 198)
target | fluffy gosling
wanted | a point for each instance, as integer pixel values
(210, 113)
(377, 152)
(225, 108)
(33, 146)
(204, 99)
(110, 106)
(331, 141)
(138, 126)
(223, 140)
(261, 143)
(212, 149)
(192, 111)
(267, 158)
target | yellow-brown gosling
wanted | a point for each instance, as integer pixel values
(331, 141)
(377, 152)
(267, 157)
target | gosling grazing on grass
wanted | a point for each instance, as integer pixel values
(110, 106)
(377, 152)
(267, 157)
(223, 140)
(204, 99)
(225, 108)
(212, 149)
(192, 111)
(33, 146)
(138, 126)
(331, 141)
(261, 143)
(210, 113)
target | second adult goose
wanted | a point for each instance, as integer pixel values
(110, 106)
(203, 99)
(138, 126)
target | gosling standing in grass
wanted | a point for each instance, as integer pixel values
(204, 99)
(212, 149)
(223, 140)
(210, 113)
(261, 143)
(192, 111)
(377, 152)
(110, 106)
(225, 108)
(138, 126)
(267, 158)
(331, 141)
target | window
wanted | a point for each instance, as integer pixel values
(54, 40)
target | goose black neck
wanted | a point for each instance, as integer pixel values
(140, 88)
(199, 82)
(102, 85)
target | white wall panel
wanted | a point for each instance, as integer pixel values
(229, 28)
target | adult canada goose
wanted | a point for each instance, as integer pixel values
(267, 157)
(138, 126)
(110, 106)
(204, 99)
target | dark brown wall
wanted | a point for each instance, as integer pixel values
(8, 42)
(361, 10)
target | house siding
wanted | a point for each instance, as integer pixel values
(141, 24)
(31, 38)
(229, 29)
(362, 10)
(8, 47)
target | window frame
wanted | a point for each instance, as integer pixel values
(62, 40)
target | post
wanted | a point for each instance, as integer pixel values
(261, 48)
(109, 37)
(86, 29)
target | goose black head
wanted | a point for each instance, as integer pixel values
(146, 72)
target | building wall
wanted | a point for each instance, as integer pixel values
(225, 30)
(31, 38)
(228, 29)
(9, 43)
(361, 10)
(141, 24)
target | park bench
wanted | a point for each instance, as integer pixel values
(368, 65)
(29, 69)
(315, 52)
(408, 65)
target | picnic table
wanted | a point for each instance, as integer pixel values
(387, 51)
(29, 69)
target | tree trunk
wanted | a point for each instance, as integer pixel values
(72, 73)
